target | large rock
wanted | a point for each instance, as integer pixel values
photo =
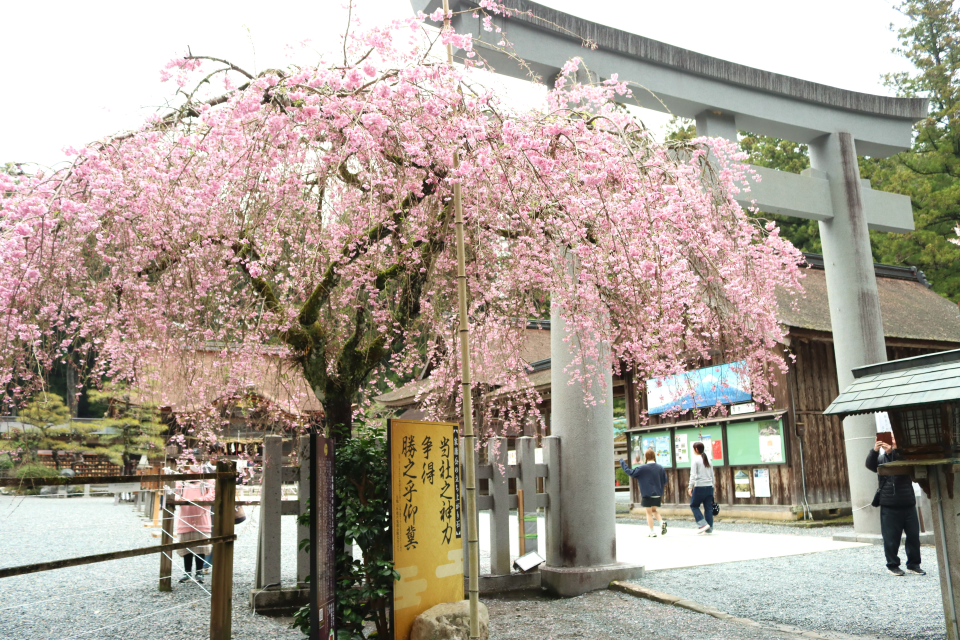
(449, 621)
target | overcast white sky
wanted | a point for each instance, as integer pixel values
(78, 71)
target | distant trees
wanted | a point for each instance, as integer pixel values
(128, 430)
(929, 172)
(125, 433)
(51, 426)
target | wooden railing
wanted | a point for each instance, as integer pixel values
(222, 538)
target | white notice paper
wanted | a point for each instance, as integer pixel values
(761, 483)
(883, 422)
(741, 485)
(681, 448)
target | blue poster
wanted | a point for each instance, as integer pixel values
(722, 384)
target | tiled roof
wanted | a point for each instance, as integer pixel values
(932, 378)
(908, 308)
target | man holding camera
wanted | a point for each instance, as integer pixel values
(898, 510)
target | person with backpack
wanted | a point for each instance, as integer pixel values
(652, 479)
(898, 511)
(700, 489)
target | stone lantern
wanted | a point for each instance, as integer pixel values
(922, 398)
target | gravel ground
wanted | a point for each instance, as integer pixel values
(119, 599)
(827, 531)
(845, 591)
(606, 615)
(116, 599)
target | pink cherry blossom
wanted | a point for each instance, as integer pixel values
(307, 215)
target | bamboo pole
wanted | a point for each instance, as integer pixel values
(473, 551)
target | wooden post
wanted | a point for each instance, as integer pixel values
(270, 496)
(303, 497)
(521, 524)
(500, 514)
(527, 482)
(221, 601)
(166, 561)
(157, 497)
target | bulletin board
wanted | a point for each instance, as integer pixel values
(659, 441)
(756, 442)
(714, 449)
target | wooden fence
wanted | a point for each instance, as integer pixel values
(525, 499)
(222, 539)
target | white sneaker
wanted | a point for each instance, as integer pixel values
(705, 529)
(652, 534)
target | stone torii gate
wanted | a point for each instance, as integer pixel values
(723, 98)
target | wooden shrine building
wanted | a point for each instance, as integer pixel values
(771, 462)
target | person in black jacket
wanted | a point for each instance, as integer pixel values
(898, 511)
(652, 479)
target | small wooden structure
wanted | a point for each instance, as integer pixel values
(808, 477)
(922, 398)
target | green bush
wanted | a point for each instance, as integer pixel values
(623, 479)
(364, 586)
(34, 470)
(5, 462)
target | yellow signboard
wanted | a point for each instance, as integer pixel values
(425, 518)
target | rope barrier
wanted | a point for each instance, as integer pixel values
(146, 615)
(79, 593)
(188, 575)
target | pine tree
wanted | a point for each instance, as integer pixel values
(127, 430)
(52, 429)
(929, 172)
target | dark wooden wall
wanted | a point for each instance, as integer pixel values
(814, 388)
(809, 387)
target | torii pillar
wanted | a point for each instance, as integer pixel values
(854, 306)
(581, 531)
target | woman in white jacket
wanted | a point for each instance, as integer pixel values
(700, 489)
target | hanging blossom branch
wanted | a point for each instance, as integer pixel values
(305, 214)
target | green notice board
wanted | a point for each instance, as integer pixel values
(712, 437)
(756, 442)
(659, 441)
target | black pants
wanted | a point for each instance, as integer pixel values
(188, 561)
(895, 521)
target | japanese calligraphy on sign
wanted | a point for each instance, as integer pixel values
(425, 514)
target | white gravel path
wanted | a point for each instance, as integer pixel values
(846, 591)
(120, 597)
